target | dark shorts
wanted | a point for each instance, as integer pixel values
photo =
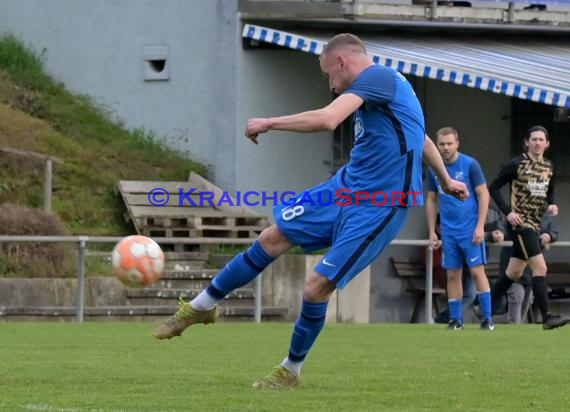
(526, 243)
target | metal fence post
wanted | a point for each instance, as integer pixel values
(429, 283)
(80, 280)
(47, 185)
(257, 300)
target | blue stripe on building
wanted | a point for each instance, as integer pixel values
(276, 38)
(414, 69)
(313, 47)
(559, 98)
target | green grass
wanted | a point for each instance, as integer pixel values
(120, 367)
(37, 113)
(23, 64)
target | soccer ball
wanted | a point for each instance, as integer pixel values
(137, 261)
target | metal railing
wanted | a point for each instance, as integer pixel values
(82, 241)
(429, 266)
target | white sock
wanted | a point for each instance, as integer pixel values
(293, 367)
(203, 302)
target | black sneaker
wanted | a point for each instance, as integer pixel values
(443, 317)
(455, 325)
(554, 322)
(487, 325)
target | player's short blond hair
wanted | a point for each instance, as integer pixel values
(445, 131)
(343, 40)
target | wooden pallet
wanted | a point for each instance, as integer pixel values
(180, 217)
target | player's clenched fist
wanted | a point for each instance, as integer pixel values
(256, 126)
(456, 188)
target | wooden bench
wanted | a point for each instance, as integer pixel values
(492, 270)
(413, 271)
(558, 280)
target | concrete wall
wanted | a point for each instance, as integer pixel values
(273, 83)
(283, 283)
(31, 292)
(482, 119)
(96, 47)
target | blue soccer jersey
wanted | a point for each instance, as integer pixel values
(389, 134)
(458, 218)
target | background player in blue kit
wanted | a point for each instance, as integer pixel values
(462, 227)
(387, 155)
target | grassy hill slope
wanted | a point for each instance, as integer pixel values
(39, 114)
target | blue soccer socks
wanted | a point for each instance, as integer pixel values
(241, 270)
(455, 309)
(485, 304)
(305, 333)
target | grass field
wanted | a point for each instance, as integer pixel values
(120, 367)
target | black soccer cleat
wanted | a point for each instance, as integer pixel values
(455, 325)
(554, 322)
(487, 325)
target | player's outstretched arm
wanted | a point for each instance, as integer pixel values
(434, 160)
(326, 118)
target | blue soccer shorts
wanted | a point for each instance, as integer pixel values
(356, 234)
(459, 249)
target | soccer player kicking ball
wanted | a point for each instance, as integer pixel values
(387, 156)
(462, 227)
(530, 177)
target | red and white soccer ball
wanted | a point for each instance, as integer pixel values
(137, 261)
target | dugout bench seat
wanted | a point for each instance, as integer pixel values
(413, 272)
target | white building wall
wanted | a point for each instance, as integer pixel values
(481, 118)
(95, 47)
(274, 83)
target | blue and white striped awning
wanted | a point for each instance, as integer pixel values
(526, 68)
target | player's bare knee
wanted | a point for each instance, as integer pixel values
(538, 265)
(478, 272)
(273, 242)
(318, 289)
(540, 270)
(514, 275)
(454, 275)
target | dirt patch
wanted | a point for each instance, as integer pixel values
(28, 101)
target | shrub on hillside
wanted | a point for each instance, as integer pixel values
(33, 259)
